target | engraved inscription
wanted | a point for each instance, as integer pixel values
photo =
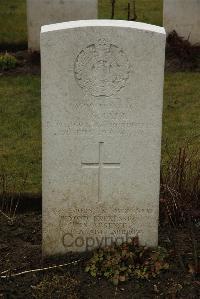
(102, 69)
(102, 226)
(86, 219)
(112, 118)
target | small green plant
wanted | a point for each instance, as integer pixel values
(7, 62)
(119, 263)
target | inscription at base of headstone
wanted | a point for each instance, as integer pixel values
(183, 16)
(102, 96)
(44, 12)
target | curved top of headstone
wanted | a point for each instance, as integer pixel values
(103, 23)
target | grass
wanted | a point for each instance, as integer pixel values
(13, 22)
(181, 119)
(148, 11)
(13, 17)
(20, 135)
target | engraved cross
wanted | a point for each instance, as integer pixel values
(100, 165)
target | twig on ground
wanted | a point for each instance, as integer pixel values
(39, 269)
(5, 215)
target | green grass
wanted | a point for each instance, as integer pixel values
(181, 119)
(13, 27)
(148, 11)
(20, 135)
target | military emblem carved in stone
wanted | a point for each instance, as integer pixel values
(102, 69)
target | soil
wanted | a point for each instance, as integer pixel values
(181, 55)
(20, 248)
(27, 63)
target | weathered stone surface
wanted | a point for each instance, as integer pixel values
(45, 12)
(183, 16)
(102, 95)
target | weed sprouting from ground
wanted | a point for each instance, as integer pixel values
(9, 188)
(180, 188)
(7, 62)
(119, 263)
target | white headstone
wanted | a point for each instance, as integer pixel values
(102, 95)
(183, 16)
(44, 12)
